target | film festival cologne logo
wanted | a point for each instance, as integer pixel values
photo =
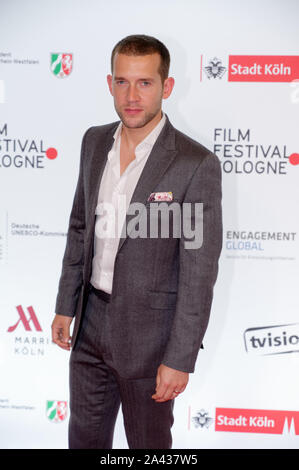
(23, 152)
(240, 153)
(26, 334)
(237, 149)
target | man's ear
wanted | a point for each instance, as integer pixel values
(109, 81)
(168, 87)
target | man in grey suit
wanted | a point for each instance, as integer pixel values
(141, 299)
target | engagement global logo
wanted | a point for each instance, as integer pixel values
(263, 244)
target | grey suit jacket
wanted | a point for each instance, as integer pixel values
(162, 292)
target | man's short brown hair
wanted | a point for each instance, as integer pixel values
(140, 44)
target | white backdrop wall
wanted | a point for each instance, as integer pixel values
(244, 393)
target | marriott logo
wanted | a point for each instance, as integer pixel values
(29, 323)
(27, 338)
(269, 340)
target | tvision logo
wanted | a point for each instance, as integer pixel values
(270, 340)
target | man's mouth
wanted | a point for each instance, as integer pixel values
(132, 111)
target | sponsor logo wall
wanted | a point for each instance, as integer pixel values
(239, 96)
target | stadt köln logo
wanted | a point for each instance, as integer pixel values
(215, 69)
(56, 410)
(202, 419)
(61, 64)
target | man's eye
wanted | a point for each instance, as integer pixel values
(120, 82)
(145, 83)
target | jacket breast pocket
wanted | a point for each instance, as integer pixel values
(162, 300)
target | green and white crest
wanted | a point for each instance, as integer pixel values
(61, 64)
(56, 410)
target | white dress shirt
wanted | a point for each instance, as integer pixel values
(114, 197)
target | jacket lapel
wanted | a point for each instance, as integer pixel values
(97, 167)
(161, 156)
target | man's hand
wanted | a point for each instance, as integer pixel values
(61, 331)
(170, 382)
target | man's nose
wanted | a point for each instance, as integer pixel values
(133, 93)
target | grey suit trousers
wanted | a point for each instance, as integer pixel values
(97, 390)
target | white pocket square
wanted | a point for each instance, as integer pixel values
(163, 196)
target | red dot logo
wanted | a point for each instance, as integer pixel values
(294, 158)
(51, 153)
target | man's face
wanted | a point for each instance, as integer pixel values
(137, 88)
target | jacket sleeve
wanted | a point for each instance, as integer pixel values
(71, 278)
(198, 269)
